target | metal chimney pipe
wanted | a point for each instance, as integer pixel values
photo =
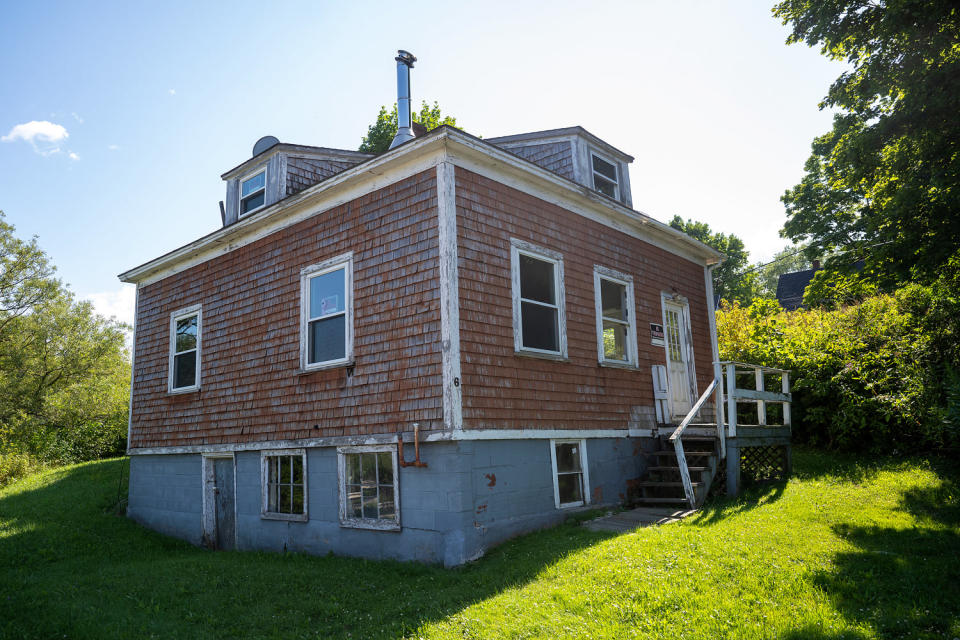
(405, 61)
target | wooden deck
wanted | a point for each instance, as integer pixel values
(636, 518)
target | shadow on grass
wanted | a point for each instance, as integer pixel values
(70, 568)
(718, 508)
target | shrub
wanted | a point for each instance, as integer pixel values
(15, 465)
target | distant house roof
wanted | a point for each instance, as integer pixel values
(790, 288)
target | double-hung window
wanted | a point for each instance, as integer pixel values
(539, 320)
(369, 495)
(605, 178)
(571, 478)
(326, 303)
(284, 484)
(253, 192)
(616, 327)
(184, 367)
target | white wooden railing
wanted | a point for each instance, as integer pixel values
(678, 445)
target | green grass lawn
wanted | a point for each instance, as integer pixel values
(847, 548)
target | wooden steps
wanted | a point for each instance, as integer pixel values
(663, 482)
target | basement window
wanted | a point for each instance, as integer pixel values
(184, 367)
(369, 495)
(616, 328)
(284, 484)
(605, 176)
(253, 192)
(326, 302)
(571, 480)
(539, 321)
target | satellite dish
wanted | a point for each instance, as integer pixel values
(263, 144)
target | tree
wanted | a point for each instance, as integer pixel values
(883, 186)
(381, 133)
(732, 281)
(789, 259)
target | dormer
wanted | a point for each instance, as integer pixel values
(278, 170)
(575, 154)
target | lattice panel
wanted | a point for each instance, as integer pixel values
(719, 485)
(762, 464)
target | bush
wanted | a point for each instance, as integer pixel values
(880, 375)
(14, 466)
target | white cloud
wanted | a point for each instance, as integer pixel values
(113, 147)
(37, 131)
(73, 156)
(117, 304)
(77, 117)
(173, 92)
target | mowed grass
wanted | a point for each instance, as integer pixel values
(848, 548)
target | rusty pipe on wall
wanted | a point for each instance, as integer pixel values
(416, 449)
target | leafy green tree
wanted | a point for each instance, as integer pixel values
(381, 133)
(732, 280)
(788, 260)
(883, 185)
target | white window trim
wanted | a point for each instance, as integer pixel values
(344, 261)
(626, 280)
(518, 247)
(367, 523)
(240, 197)
(616, 167)
(180, 314)
(265, 513)
(584, 467)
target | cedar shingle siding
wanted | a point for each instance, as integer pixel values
(504, 391)
(252, 389)
(306, 172)
(554, 156)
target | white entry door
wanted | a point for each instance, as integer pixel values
(675, 331)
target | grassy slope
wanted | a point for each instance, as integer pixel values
(844, 550)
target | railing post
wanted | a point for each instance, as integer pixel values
(718, 401)
(732, 400)
(761, 405)
(786, 405)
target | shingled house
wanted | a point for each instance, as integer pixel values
(495, 306)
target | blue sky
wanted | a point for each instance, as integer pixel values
(143, 106)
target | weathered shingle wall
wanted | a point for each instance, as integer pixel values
(252, 389)
(504, 391)
(306, 172)
(554, 156)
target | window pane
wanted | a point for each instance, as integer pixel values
(570, 488)
(370, 502)
(368, 469)
(353, 468)
(251, 203)
(540, 327)
(285, 469)
(328, 340)
(327, 293)
(298, 500)
(385, 464)
(536, 280)
(250, 185)
(273, 469)
(605, 168)
(568, 456)
(186, 334)
(297, 469)
(284, 503)
(604, 186)
(272, 497)
(354, 503)
(613, 300)
(185, 370)
(614, 341)
(387, 507)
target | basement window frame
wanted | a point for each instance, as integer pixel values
(520, 248)
(344, 262)
(594, 174)
(243, 198)
(601, 273)
(377, 524)
(175, 317)
(265, 512)
(584, 472)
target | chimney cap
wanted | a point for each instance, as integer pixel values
(405, 57)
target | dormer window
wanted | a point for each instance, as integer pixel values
(253, 192)
(605, 177)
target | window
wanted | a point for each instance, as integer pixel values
(616, 328)
(539, 322)
(253, 192)
(326, 332)
(369, 497)
(571, 480)
(605, 176)
(284, 484)
(184, 365)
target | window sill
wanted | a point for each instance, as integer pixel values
(182, 390)
(613, 364)
(558, 357)
(288, 517)
(373, 525)
(345, 364)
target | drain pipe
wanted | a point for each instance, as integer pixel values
(405, 61)
(416, 448)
